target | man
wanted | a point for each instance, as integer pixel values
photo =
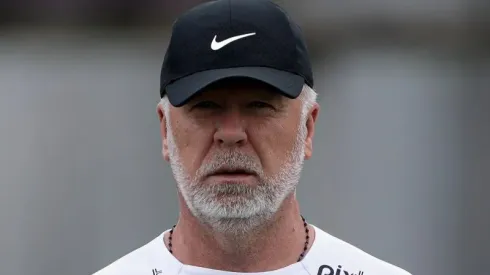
(237, 120)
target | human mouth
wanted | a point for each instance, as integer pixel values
(232, 175)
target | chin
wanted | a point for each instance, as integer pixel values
(235, 207)
(235, 215)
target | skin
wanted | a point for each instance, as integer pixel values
(251, 119)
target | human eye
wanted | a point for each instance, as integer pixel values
(260, 105)
(205, 105)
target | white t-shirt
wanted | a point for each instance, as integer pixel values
(328, 255)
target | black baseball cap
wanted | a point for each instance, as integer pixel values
(223, 39)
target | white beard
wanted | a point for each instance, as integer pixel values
(237, 208)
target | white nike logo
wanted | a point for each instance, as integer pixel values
(218, 45)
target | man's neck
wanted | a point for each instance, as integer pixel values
(274, 246)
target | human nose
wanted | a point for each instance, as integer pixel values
(230, 129)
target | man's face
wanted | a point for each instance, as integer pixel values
(236, 151)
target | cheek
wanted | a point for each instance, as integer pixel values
(193, 144)
(273, 143)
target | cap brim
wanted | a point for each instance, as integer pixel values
(181, 91)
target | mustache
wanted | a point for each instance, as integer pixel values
(226, 161)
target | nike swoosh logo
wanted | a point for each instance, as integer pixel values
(218, 45)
